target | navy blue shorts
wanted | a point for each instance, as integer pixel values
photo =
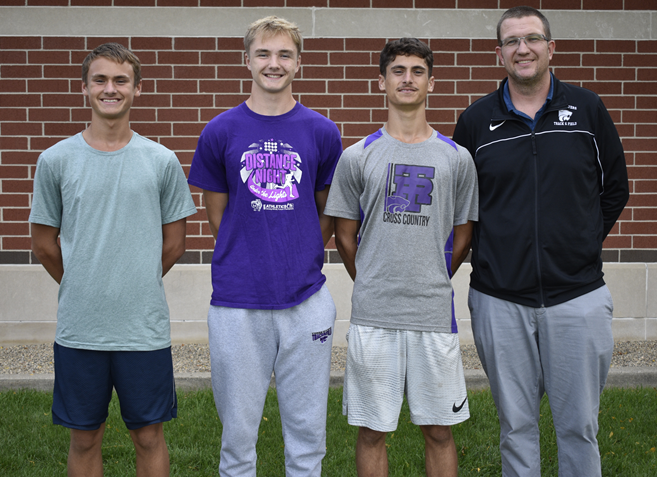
(84, 380)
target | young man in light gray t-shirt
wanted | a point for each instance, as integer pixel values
(118, 203)
(397, 195)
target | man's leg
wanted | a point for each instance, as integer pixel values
(243, 346)
(151, 449)
(506, 336)
(440, 451)
(81, 396)
(302, 370)
(437, 396)
(373, 391)
(85, 458)
(576, 345)
(146, 390)
(371, 454)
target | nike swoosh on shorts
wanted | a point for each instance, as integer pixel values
(457, 409)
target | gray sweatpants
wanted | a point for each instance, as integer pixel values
(245, 347)
(562, 350)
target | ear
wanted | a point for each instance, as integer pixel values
(247, 61)
(138, 88)
(498, 52)
(551, 47)
(382, 83)
(85, 91)
(431, 84)
(296, 70)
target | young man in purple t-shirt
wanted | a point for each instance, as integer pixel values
(264, 168)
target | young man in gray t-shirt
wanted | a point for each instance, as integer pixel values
(118, 203)
(397, 195)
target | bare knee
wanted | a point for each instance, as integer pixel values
(370, 437)
(83, 442)
(148, 438)
(437, 435)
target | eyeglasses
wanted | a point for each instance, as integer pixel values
(514, 41)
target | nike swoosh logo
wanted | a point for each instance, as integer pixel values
(493, 128)
(457, 409)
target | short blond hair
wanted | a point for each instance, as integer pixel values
(272, 25)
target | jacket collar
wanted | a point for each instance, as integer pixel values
(501, 113)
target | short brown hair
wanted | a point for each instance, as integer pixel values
(522, 12)
(272, 25)
(115, 52)
(405, 47)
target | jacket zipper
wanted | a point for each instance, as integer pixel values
(538, 254)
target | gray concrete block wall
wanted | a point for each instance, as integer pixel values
(28, 302)
(314, 22)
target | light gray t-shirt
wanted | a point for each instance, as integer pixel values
(110, 208)
(410, 197)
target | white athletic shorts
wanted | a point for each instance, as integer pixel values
(384, 364)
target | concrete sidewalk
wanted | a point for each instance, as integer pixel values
(626, 377)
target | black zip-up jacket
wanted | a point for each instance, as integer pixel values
(547, 198)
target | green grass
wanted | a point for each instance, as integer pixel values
(31, 446)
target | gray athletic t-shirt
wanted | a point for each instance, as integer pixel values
(409, 197)
(110, 208)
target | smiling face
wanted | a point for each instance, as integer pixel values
(406, 82)
(525, 65)
(110, 88)
(273, 61)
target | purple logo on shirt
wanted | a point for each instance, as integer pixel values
(414, 184)
(271, 170)
(395, 203)
(408, 188)
(412, 187)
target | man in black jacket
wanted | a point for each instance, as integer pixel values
(553, 182)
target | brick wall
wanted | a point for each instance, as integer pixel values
(187, 81)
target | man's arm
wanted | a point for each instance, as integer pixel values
(215, 204)
(615, 189)
(173, 243)
(346, 240)
(47, 250)
(613, 201)
(325, 221)
(461, 244)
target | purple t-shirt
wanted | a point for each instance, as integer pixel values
(269, 251)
